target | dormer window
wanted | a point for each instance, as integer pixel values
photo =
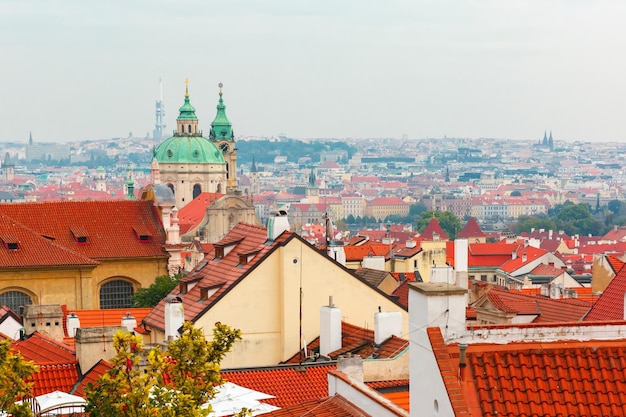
(79, 233)
(10, 242)
(244, 258)
(219, 253)
(142, 233)
(182, 288)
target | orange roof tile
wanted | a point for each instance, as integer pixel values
(335, 406)
(432, 228)
(92, 376)
(559, 378)
(357, 253)
(222, 274)
(285, 383)
(358, 341)
(108, 224)
(193, 212)
(22, 247)
(44, 349)
(54, 377)
(547, 310)
(471, 229)
(610, 305)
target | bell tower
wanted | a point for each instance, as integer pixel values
(222, 135)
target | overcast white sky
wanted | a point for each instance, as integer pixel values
(76, 69)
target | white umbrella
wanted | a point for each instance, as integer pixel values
(231, 398)
(58, 403)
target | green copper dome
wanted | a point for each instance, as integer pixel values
(188, 150)
(221, 128)
(187, 111)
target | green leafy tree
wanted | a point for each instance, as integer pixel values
(528, 223)
(448, 221)
(14, 374)
(178, 382)
(150, 296)
(577, 219)
(350, 219)
(417, 209)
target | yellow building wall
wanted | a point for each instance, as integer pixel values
(79, 288)
(266, 305)
(433, 254)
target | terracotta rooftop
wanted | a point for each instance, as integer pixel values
(191, 215)
(285, 383)
(91, 376)
(373, 276)
(335, 406)
(433, 228)
(21, 247)
(220, 274)
(471, 229)
(610, 305)
(357, 253)
(546, 309)
(358, 341)
(110, 226)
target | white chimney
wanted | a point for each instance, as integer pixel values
(330, 328)
(387, 324)
(514, 254)
(335, 251)
(410, 244)
(174, 316)
(129, 322)
(72, 322)
(276, 224)
(461, 256)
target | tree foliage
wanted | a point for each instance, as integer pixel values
(14, 374)
(150, 296)
(148, 383)
(448, 221)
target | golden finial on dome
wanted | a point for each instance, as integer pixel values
(186, 87)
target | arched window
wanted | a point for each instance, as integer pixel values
(14, 300)
(189, 128)
(116, 294)
(219, 188)
(171, 187)
(197, 189)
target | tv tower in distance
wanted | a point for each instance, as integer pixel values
(159, 126)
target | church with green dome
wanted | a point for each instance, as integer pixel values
(189, 164)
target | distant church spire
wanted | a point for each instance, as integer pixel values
(30, 138)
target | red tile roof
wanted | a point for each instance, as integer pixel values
(358, 341)
(432, 228)
(547, 310)
(221, 274)
(335, 406)
(290, 385)
(109, 225)
(610, 305)
(44, 349)
(58, 367)
(524, 256)
(556, 379)
(471, 229)
(357, 253)
(92, 376)
(193, 212)
(54, 377)
(31, 249)
(104, 317)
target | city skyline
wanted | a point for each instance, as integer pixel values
(422, 69)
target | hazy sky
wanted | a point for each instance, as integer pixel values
(76, 69)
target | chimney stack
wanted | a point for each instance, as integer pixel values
(174, 316)
(330, 328)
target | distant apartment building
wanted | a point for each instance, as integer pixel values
(47, 151)
(382, 207)
(460, 206)
(352, 204)
(508, 209)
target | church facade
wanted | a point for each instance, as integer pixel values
(189, 163)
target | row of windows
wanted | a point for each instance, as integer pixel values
(114, 294)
